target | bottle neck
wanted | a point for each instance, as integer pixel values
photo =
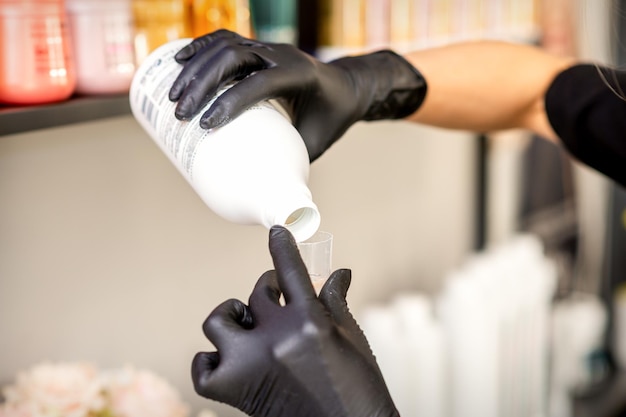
(294, 209)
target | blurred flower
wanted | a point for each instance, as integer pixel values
(79, 390)
(137, 393)
(17, 410)
(54, 390)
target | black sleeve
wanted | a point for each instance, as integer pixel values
(586, 107)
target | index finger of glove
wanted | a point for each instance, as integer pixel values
(193, 66)
(207, 72)
(293, 277)
(226, 323)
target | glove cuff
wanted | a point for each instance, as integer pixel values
(389, 86)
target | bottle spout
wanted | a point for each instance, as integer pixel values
(303, 223)
(297, 213)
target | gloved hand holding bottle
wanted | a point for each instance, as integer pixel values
(306, 358)
(323, 99)
(480, 86)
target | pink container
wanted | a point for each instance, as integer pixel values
(102, 33)
(36, 63)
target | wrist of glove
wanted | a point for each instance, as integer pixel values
(323, 99)
(388, 85)
(306, 358)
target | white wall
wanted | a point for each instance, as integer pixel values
(107, 255)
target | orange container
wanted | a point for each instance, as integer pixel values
(36, 64)
(210, 15)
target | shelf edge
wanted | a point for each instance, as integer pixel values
(75, 110)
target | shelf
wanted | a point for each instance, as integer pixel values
(75, 110)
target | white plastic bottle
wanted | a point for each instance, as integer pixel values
(254, 170)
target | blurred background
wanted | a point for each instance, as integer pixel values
(488, 269)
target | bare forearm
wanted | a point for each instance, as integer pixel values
(486, 86)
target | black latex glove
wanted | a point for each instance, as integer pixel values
(323, 99)
(308, 358)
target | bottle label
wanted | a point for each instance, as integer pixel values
(154, 110)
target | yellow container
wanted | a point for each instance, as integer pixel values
(158, 22)
(343, 23)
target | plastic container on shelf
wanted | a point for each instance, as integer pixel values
(36, 60)
(158, 22)
(253, 170)
(275, 20)
(102, 33)
(210, 15)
